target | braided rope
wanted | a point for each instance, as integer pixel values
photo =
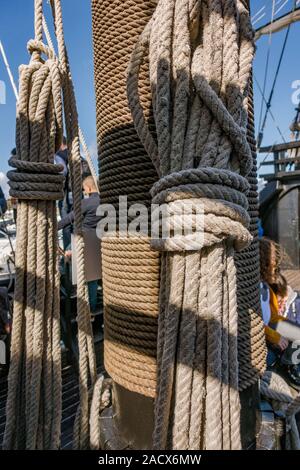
(87, 360)
(199, 96)
(130, 269)
(46, 91)
(130, 307)
(101, 399)
(34, 383)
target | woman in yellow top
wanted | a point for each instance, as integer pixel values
(280, 332)
(270, 259)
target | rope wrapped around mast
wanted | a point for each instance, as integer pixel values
(200, 58)
(130, 268)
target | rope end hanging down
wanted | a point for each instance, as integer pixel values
(34, 382)
(34, 385)
(87, 360)
(199, 98)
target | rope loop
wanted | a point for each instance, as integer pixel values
(234, 132)
(46, 95)
(205, 206)
(34, 45)
(35, 181)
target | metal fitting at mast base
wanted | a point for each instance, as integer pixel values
(128, 423)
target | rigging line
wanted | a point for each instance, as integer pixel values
(281, 7)
(258, 13)
(270, 151)
(10, 75)
(267, 65)
(268, 105)
(265, 158)
(270, 111)
(296, 121)
(267, 61)
(258, 19)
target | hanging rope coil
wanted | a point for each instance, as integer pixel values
(200, 56)
(224, 215)
(34, 390)
(34, 383)
(101, 399)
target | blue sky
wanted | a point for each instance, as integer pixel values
(16, 28)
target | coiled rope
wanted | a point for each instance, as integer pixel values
(200, 56)
(130, 269)
(251, 336)
(34, 386)
(81, 135)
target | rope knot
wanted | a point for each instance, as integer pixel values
(203, 207)
(40, 48)
(35, 180)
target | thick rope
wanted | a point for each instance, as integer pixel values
(199, 85)
(81, 135)
(34, 383)
(130, 270)
(34, 396)
(87, 360)
(251, 335)
(101, 399)
(130, 312)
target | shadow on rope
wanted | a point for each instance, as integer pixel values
(44, 377)
(129, 342)
(134, 366)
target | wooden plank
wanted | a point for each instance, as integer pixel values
(278, 24)
(282, 175)
(280, 147)
(282, 161)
